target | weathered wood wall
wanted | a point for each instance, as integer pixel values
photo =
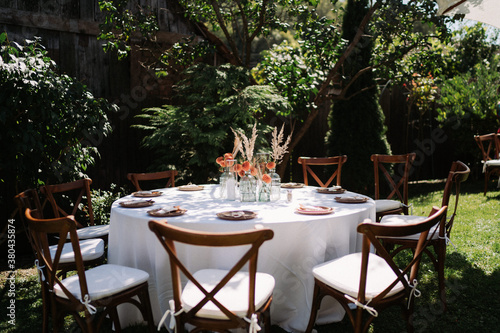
(69, 30)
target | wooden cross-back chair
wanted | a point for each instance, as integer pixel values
(92, 250)
(136, 178)
(459, 172)
(215, 299)
(104, 286)
(396, 202)
(75, 191)
(489, 144)
(372, 281)
(307, 162)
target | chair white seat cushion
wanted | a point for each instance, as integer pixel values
(383, 205)
(409, 219)
(103, 281)
(491, 164)
(90, 248)
(93, 231)
(344, 273)
(234, 295)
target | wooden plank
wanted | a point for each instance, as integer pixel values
(28, 5)
(88, 10)
(49, 22)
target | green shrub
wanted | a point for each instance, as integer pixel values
(102, 201)
(51, 124)
(467, 107)
(195, 129)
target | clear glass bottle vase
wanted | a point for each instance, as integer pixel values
(248, 188)
(227, 182)
(275, 185)
(264, 191)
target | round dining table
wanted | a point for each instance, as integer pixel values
(300, 242)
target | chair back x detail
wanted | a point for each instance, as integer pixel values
(75, 192)
(396, 201)
(214, 299)
(136, 178)
(307, 162)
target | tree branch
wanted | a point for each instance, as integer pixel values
(322, 93)
(220, 19)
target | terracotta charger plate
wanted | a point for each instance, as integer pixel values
(314, 210)
(147, 194)
(328, 190)
(191, 188)
(292, 185)
(136, 203)
(237, 215)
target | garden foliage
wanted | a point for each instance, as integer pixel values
(191, 132)
(50, 122)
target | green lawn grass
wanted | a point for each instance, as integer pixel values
(472, 274)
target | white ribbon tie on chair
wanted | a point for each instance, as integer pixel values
(409, 206)
(370, 309)
(39, 269)
(90, 308)
(414, 291)
(447, 241)
(254, 324)
(171, 325)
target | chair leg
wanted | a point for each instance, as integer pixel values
(45, 308)
(440, 261)
(267, 320)
(408, 314)
(317, 297)
(146, 305)
(486, 180)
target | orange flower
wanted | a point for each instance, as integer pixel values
(271, 165)
(246, 165)
(219, 160)
(239, 167)
(223, 164)
(266, 178)
(229, 162)
(241, 173)
(228, 156)
(254, 171)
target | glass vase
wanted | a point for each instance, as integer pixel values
(275, 185)
(228, 182)
(264, 191)
(222, 184)
(248, 188)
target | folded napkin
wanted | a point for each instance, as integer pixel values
(312, 208)
(169, 209)
(144, 192)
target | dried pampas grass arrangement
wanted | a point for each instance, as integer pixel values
(278, 150)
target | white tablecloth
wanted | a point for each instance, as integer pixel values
(300, 242)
